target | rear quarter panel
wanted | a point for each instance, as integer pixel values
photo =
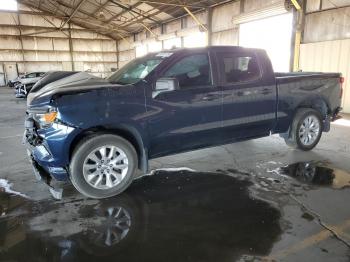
(306, 91)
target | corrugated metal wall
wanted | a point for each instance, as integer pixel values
(329, 56)
(224, 30)
(182, 32)
(327, 25)
(326, 41)
(97, 53)
(51, 51)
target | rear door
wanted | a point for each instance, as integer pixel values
(189, 117)
(249, 95)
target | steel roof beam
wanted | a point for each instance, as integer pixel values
(173, 4)
(101, 7)
(131, 9)
(73, 13)
(123, 12)
(25, 12)
(140, 20)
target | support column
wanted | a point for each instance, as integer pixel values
(20, 36)
(162, 31)
(117, 50)
(241, 6)
(298, 25)
(183, 26)
(210, 26)
(71, 47)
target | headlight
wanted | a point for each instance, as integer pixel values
(45, 116)
(47, 119)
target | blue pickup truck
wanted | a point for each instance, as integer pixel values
(98, 132)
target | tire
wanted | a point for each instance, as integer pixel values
(89, 149)
(295, 139)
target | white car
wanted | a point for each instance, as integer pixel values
(31, 78)
(26, 82)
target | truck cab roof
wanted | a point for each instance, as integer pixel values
(209, 48)
(217, 48)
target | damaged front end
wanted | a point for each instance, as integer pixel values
(39, 139)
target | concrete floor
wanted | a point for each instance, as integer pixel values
(251, 201)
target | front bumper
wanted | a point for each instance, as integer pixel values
(45, 149)
(40, 156)
(42, 175)
(20, 91)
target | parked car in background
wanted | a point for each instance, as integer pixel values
(49, 77)
(14, 82)
(26, 82)
(20, 90)
(23, 91)
(27, 79)
(31, 78)
(97, 132)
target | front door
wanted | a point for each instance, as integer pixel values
(190, 117)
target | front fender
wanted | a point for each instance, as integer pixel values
(132, 132)
(119, 110)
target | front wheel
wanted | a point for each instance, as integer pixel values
(306, 129)
(103, 166)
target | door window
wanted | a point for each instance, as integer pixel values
(191, 71)
(31, 75)
(238, 68)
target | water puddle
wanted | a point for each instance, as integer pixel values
(170, 216)
(317, 174)
(5, 186)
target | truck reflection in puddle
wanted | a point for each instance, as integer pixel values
(170, 216)
(318, 174)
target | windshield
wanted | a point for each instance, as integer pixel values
(136, 70)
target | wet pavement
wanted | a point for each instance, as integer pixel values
(180, 216)
(318, 174)
(251, 201)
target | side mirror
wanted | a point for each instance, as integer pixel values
(165, 85)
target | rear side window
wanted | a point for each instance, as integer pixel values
(191, 71)
(238, 68)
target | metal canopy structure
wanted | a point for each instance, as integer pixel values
(116, 18)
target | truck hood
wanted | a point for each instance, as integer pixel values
(74, 83)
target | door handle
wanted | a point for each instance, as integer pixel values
(210, 97)
(266, 91)
(206, 98)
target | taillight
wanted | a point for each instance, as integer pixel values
(341, 80)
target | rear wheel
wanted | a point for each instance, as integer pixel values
(306, 129)
(103, 166)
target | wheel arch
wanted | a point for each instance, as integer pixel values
(130, 133)
(317, 103)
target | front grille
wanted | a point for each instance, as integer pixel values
(31, 135)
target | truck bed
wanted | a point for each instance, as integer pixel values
(293, 76)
